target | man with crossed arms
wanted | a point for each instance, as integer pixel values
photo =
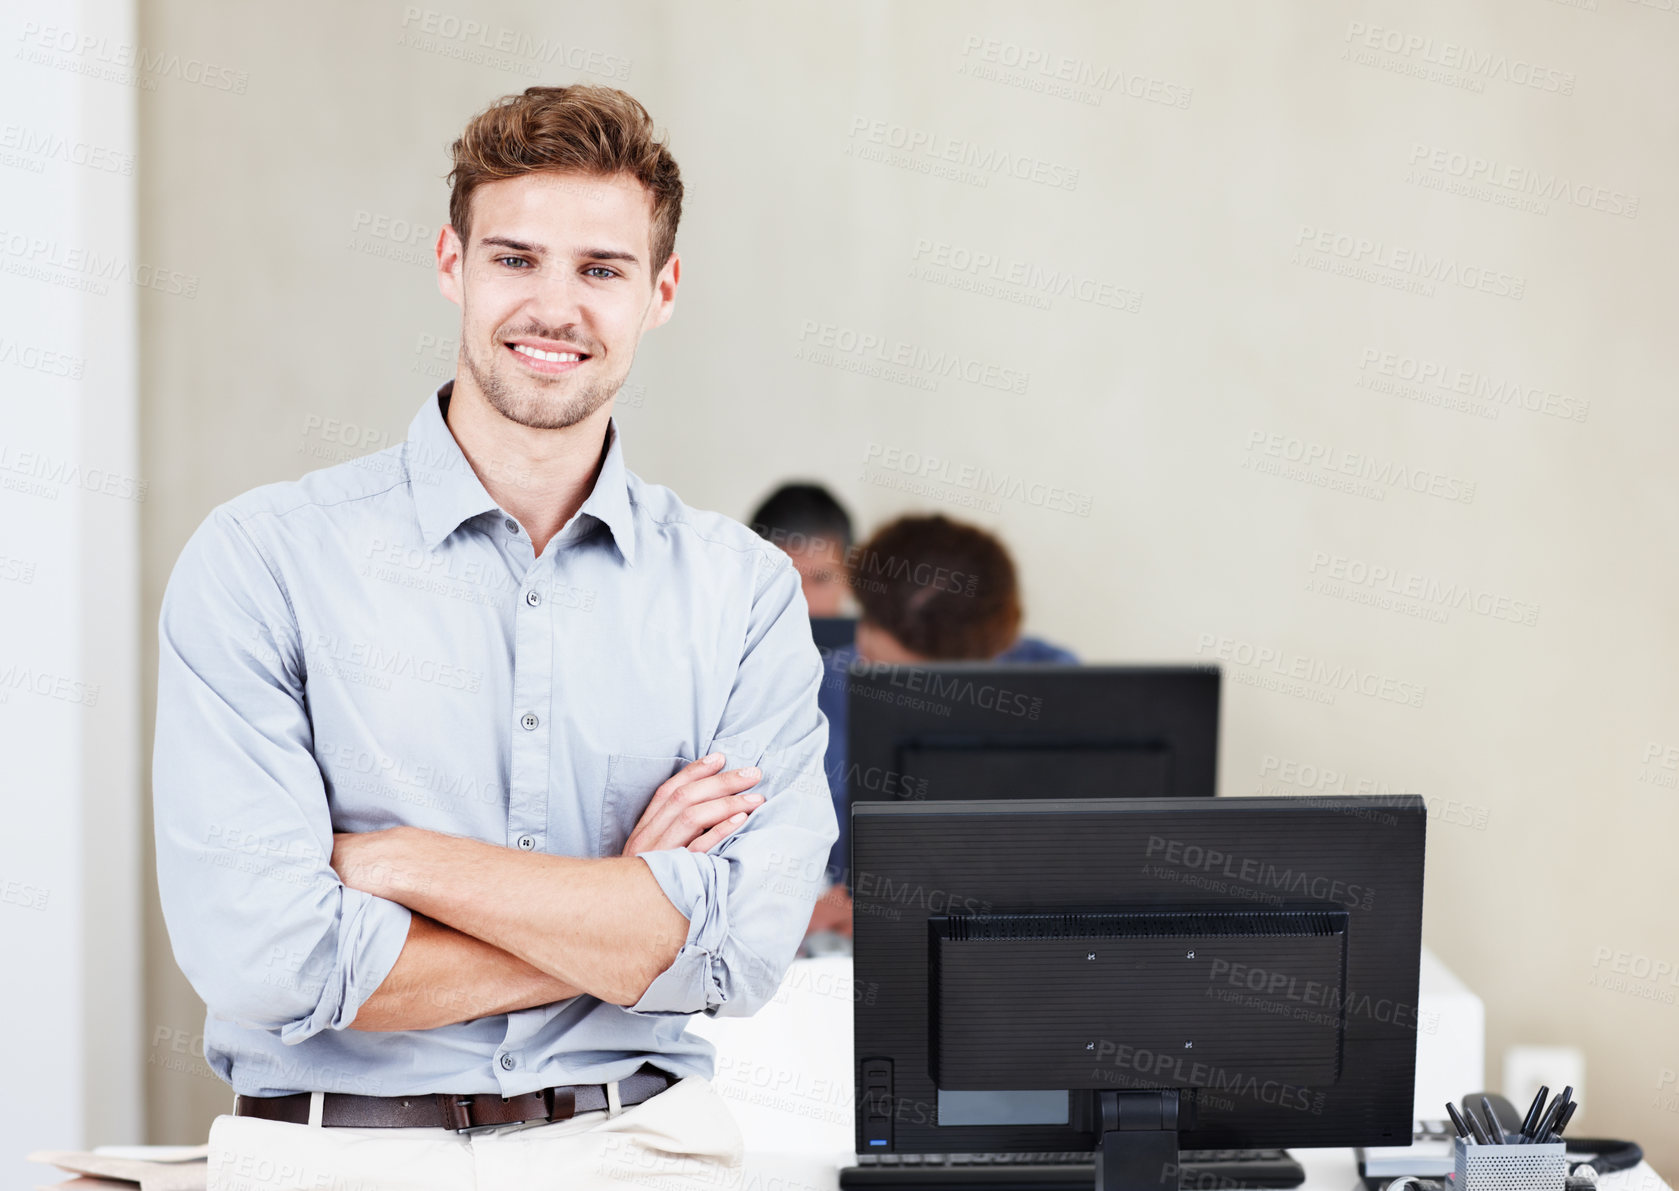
(480, 763)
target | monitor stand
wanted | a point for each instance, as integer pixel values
(1137, 1141)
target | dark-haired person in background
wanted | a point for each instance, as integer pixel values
(928, 589)
(814, 530)
(935, 590)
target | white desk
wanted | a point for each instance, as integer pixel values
(1326, 1170)
(786, 1073)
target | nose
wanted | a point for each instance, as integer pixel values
(559, 300)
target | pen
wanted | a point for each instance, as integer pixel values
(1543, 1129)
(1562, 1107)
(1475, 1129)
(1457, 1121)
(1494, 1129)
(1562, 1120)
(1533, 1111)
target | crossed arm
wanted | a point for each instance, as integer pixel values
(495, 929)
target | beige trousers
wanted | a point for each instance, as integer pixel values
(683, 1137)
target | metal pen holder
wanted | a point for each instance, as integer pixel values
(1541, 1167)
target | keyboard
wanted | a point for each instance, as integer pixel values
(1200, 1170)
(1429, 1154)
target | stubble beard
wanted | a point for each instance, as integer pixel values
(534, 402)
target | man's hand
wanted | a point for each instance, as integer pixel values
(698, 808)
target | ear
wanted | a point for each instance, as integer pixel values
(451, 264)
(664, 293)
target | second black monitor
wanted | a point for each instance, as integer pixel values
(969, 730)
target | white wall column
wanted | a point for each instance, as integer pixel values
(69, 551)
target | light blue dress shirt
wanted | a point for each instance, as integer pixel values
(378, 644)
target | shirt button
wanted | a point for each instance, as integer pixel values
(508, 1062)
(530, 721)
(527, 842)
(512, 525)
(533, 597)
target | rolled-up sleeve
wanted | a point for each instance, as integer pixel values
(749, 899)
(259, 922)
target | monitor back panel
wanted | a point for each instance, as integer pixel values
(916, 865)
(978, 731)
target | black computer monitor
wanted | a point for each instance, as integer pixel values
(1131, 976)
(986, 730)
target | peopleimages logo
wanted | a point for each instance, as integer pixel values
(1521, 180)
(941, 690)
(421, 24)
(871, 569)
(39, 145)
(1479, 65)
(1356, 467)
(368, 659)
(1379, 258)
(1115, 1059)
(1406, 584)
(916, 358)
(1336, 676)
(983, 480)
(1034, 68)
(45, 259)
(1260, 873)
(124, 61)
(1444, 377)
(1272, 985)
(879, 139)
(990, 274)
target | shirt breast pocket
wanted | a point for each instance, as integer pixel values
(630, 782)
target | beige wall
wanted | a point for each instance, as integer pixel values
(1530, 738)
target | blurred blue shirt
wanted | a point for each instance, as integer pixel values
(836, 667)
(377, 644)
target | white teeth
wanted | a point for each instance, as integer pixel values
(538, 354)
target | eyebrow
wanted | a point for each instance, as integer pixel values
(595, 254)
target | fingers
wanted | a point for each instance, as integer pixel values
(692, 771)
(693, 803)
(656, 815)
(718, 833)
(700, 804)
(731, 782)
(693, 820)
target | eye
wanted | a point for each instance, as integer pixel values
(515, 259)
(601, 269)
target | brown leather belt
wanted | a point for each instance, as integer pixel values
(444, 1111)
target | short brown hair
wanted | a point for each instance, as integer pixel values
(599, 131)
(942, 589)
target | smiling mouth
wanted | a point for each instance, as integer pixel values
(541, 360)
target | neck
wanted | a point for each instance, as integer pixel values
(541, 477)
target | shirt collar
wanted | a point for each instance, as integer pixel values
(447, 492)
(609, 500)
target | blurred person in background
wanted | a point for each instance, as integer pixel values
(928, 589)
(813, 529)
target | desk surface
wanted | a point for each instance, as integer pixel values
(786, 1071)
(1326, 1170)
(786, 1074)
